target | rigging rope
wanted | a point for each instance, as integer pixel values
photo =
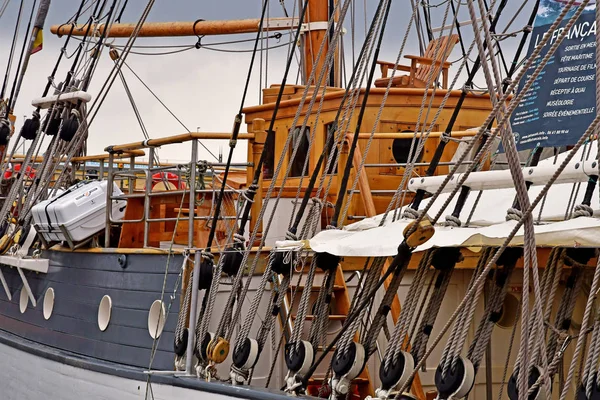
(11, 52)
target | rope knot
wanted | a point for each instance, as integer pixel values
(583, 210)
(244, 374)
(207, 256)
(250, 192)
(290, 236)
(514, 214)
(239, 239)
(411, 213)
(453, 221)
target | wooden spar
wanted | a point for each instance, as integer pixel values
(170, 29)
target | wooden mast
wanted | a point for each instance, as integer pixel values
(317, 13)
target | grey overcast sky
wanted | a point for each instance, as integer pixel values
(202, 87)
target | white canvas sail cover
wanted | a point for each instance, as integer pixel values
(488, 225)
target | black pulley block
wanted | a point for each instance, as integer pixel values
(241, 354)
(69, 128)
(342, 363)
(206, 274)
(283, 262)
(326, 261)
(204, 346)
(31, 127)
(181, 346)
(232, 260)
(53, 126)
(594, 395)
(5, 131)
(445, 258)
(407, 396)
(390, 376)
(510, 256)
(448, 384)
(513, 388)
(581, 255)
(294, 360)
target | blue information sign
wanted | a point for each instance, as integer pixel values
(561, 104)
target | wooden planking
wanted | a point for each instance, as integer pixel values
(128, 355)
(80, 280)
(68, 303)
(111, 280)
(68, 306)
(145, 263)
(136, 337)
(138, 300)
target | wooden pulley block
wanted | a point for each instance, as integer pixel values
(18, 235)
(220, 350)
(421, 232)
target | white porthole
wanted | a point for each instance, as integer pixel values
(23, 300)
(156, 319)
(104, 311)
(48, 303)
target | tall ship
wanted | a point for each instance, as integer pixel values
(419, 227)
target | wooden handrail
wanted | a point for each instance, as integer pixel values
(185, 137)
(409, 135)
(97, 157)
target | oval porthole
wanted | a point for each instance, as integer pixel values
(156, 319)
(509, 312)
(104, 311)
(48, 303)
(23, 300)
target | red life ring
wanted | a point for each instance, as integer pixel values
(172, 178)
(17, 168)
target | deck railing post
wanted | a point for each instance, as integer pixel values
(109, 192)
(193, 308)
(260, 139)
(132, 170)
(146, 197)
(101, 172)
(192, 183)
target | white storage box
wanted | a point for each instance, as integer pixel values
(78, 213)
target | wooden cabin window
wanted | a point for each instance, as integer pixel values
(269, 164)
(329, 147)
(302, 155)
